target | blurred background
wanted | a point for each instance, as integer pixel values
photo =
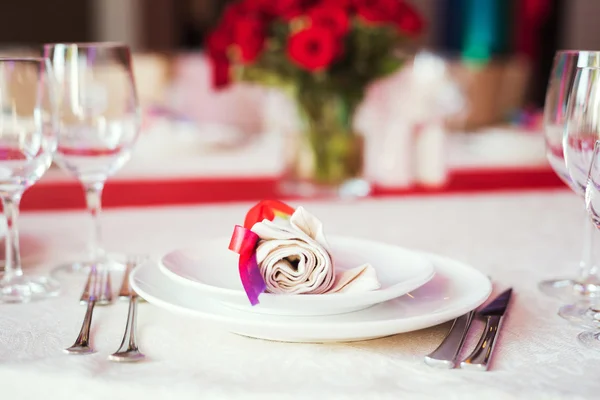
(499, 53)
(182, 25)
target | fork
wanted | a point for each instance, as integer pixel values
(105, 296)
(128, 350)
(125, 290)
(91, 292)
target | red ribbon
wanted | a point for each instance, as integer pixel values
(243, 242)
(266, 209)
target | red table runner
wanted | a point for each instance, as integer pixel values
(50, 195)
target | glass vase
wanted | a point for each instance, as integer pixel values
(324, 155)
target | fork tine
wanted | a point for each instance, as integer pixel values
(85, 296)
(125, 290)
(96, 288)
(105, 295)
(133, 261)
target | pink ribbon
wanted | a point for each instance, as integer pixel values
(243, 242)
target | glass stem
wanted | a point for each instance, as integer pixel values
(13, 255)
(588, 270)
(93, 199)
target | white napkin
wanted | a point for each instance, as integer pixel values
(293, 256)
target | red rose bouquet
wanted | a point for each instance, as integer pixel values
(324, 53)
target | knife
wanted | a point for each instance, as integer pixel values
(479, 359)
(447, 352)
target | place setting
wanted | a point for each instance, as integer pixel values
(280, 278)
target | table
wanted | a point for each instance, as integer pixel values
(517, 238)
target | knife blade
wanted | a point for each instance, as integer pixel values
(447, 352)
(494, 312)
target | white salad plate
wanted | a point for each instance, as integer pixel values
(456, 289)
(212, 270)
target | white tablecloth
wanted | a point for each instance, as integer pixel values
(518, 239)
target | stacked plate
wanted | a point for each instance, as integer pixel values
(417, 291)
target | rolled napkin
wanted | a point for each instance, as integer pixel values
(293, 257)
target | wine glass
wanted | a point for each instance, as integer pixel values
(581, 134)
(27, 128)
(98, 123)
(588, 314)
(566, 63)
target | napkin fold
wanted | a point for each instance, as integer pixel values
(293, 257)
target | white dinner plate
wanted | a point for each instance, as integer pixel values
(456, 289)
(212, 270)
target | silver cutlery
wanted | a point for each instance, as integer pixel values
(125, 290)
(446, 355)
(494, 312)
(128, 350)
(105, 295)
(91, 294)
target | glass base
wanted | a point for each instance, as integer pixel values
(80, 268)
(24, 289)
(585, 315)
(590, 340)
(350, 189)
(569, 290)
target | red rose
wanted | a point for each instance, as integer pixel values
(220, 71)
(291, 14)
(329, 17)
(345, 4)
(281, 8)
(377, 11)
(249, 29)
(233, 13)
(409, 21)
(313, 48)
(249, 37)
(217, 42)
(259, 6)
